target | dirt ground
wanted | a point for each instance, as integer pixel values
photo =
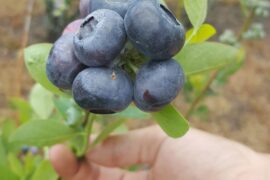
(11, 25)
(241, 111)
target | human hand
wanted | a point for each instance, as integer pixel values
(196, 156)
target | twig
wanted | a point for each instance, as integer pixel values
(87, 124)
(86, 117)
(24, 41)
(202, 93)
(246, 25)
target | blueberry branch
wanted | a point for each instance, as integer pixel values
(87, 124)
(247, 23)
(86, 118)
(201, 95)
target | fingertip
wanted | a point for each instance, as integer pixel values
(63, 161)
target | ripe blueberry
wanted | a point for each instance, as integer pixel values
(25, 149)
(119, 6)
(157, 84)
(100, 39)
(103, 90)
(154, 30)
(62, 65)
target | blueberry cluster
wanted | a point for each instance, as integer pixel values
(84, 60)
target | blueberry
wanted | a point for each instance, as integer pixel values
(84, 8)
(73, 27)
(103, 90)
(25, 149)
(62, 65)
(157, 84)
(154, 30)
(34, 150)
(100, 39)
(119, 6)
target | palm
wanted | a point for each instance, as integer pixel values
(196, 156)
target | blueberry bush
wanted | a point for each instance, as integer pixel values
(120, 62)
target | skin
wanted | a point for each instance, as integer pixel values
(154, 30)
(196, 156)
(62, 65)
(100, 39)
(157, 84)
(103, 90)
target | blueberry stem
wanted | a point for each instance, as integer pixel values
(87, 124)
(132, 66)
(86, 118)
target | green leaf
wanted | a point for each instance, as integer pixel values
(62, 104)
(122, 129)
(7, 174)
(226, 72)
(205, 32)
(41, 101)
(197, 58)
(45, 172)
(171, 121)
(69, 110)
(74, 116)
(196, 11)
(35, 58)
(23, 107)
(202, 112)
(132, 112)
(198, 81)
(7, 128)
(134, 168)
(3, 155)
(107, 131)
(29, 164)
(77, 143)
(42, 133)
(15, 165)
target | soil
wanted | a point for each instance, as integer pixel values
(240, 111)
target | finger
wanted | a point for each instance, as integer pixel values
(63, 161)
(91, 171)
(108, 173)
(140, 146)
(67, 167)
